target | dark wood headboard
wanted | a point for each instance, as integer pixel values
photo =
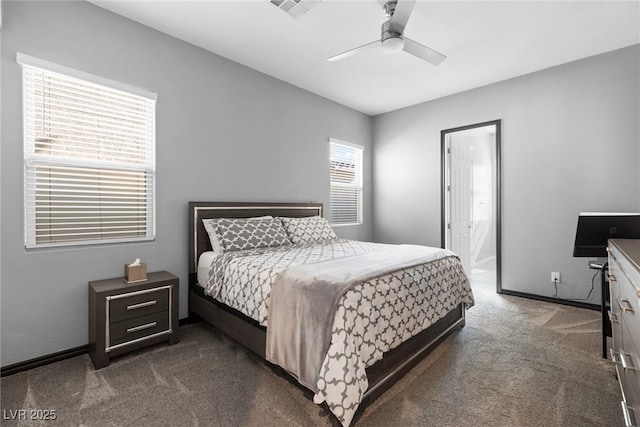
(199, 239)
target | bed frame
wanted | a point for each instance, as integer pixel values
(250, 334)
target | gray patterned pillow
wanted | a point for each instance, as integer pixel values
(212, 230)
(309, 229)
(237, 234)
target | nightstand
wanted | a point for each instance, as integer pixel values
(128, 316)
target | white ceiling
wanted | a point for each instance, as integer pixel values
(485, 42)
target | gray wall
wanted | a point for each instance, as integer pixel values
(224, 132)
(570, 143)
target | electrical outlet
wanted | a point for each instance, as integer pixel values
(555, 276)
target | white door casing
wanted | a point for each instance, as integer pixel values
(471, 196)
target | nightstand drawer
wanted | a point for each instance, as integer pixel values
(139, 327)
(140, 304)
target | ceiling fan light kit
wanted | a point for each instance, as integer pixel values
(392, 45)
(392, 39)
(391, 42)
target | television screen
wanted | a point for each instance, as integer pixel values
(595, 228)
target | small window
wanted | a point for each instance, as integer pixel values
(345, 169)
(89, 156)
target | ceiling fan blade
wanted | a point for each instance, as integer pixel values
(401, 16)
(423, 52)
(354, 51)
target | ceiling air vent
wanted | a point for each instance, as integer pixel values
(295, 8)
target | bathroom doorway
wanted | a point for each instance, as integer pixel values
(471, 198)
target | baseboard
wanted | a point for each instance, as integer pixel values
(56, 357)
(43, 360)
(187, 321)
(578, 304)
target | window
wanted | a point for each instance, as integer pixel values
(89, 156)
(345, 169)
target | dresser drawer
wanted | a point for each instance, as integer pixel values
(139, 327)
(630, 411)
(623, 270)
(129, 306)
(627, 360)
(616, 328)
(626, 304)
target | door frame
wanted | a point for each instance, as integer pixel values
(498, 189)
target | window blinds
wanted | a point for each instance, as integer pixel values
(89, 152)
(345, 162)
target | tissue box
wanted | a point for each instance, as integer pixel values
(135, 273)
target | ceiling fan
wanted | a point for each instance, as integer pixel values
(393, 39)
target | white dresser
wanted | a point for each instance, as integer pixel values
(624, 285)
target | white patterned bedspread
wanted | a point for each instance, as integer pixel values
(373, 317)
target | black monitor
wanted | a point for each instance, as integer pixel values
(595, 228)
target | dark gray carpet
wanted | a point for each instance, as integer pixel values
(517, 362)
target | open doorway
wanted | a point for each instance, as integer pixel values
(471, 216)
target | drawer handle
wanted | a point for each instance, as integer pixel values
(613, 317)
(620, 358)
(613, 355)
(141, 305)
(612, 278)
(625, 413)
(141, 327)
(628, 307)
(623, 361)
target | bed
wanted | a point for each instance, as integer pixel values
(350, 372)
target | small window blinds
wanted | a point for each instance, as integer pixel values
(345, 169)
(89, 155)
